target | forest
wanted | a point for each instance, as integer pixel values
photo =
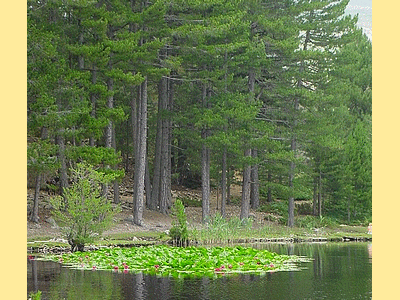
(273, 95)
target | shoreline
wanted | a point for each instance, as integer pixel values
(55, 246)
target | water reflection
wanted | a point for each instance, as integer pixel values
(338, 271)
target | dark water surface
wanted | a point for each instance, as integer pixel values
(338, 271)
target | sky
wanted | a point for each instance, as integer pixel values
(364, 10)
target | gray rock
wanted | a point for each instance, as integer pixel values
(52, 222)
(129, 219)
(251, 216)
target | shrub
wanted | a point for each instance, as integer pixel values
(187, 201)
(304, 208)
(87, 213)
(307, 222)
(219, 229)
(276, 207)
(328, 222)
(35, 296)
(179, 231)
(315, 222)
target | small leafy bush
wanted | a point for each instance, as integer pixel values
(179, 232)
(187, 201)
(306, 222)
(35, 296)
(304, 208)
(220, 229)
(315, 222)
(279, 208)
(328, 222)
(86, 212)
(276, 207)
(235, 200)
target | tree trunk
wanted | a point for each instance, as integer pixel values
(110, 105)
(255, 184)
(116, 183)
(35, 210)
(93, 102)
(291, 188)
(320, 195)
(223, 184)
(81, 59)
(293, 148)
(245, 206)
(63, 167)
(205, 183)
(155, 194)
(169, 155)
(109, 128)
(224, 154)
(147, 183)
(205, 168)
(228, 189)
(140, 158)
(165, 162)
(135, 94)
(348, 210)
(269, 193)
(161, 195)
(315, 196)
(246, 186)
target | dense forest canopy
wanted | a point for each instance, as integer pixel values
(275, 95)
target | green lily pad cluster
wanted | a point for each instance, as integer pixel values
(165, 260)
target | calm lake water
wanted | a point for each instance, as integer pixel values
(337, 271)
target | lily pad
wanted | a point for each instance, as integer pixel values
(165, 260)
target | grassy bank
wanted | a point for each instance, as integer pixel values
(49, 244)
(217, 231)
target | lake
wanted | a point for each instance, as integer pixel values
(337, 271)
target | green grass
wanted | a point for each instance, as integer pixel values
(139, 234)
(126, 238)
(220, 230)
(39, 238)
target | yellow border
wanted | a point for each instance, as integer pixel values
(13, 149)
(385, 151)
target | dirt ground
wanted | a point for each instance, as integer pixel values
(153, 221)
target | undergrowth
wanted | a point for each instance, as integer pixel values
(179, 232)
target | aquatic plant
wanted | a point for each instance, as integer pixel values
(165, 260)
(179, 231)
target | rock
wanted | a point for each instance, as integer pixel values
(59, 240)
(251, 216)
(129, 219)
(52, 222)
